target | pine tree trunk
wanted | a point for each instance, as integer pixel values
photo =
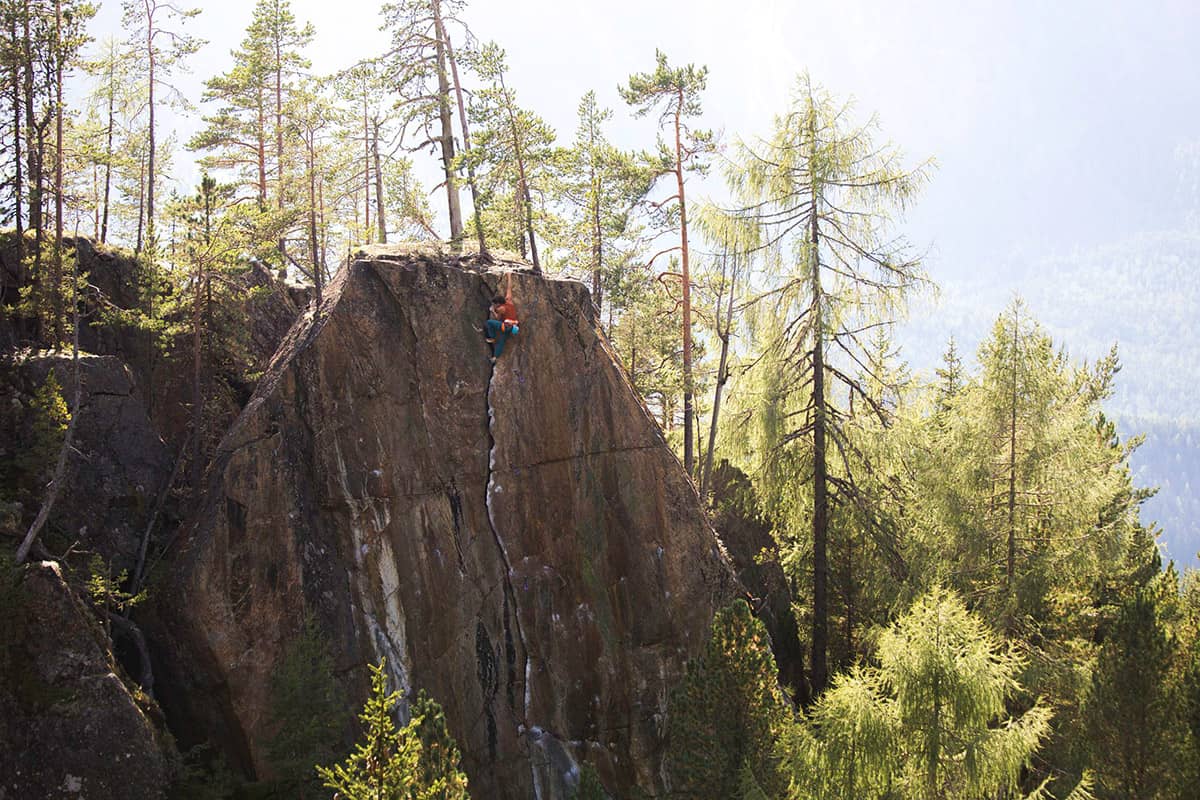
(447, 136)
(261, 151)
(150, 167)
(688, 458)
(56, 271)
(279, 146)
(108, 147)
(1012, 462)
(380, 213)
(466, 134)
(597, 239)
(18, 178)
(137, 247)
(318, 278)
(36, 153)
(722, 376)
(366, 171)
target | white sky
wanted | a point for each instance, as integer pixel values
(1055, 124)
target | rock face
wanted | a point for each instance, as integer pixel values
(70, 727)
(519, 542)
(747, 537)
(119, 463)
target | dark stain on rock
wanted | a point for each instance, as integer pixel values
(235, 512)
(456, 515)
(485, 661)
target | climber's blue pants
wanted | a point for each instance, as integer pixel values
(495, 330)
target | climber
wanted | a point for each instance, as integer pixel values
(502, 320)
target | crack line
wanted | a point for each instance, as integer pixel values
(509, 591)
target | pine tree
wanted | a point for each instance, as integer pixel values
(676, 91)
(1134, 723)
(307, 711)
(726, 713)
(421, 64)
(513, 158)
(160, 50)
(600, 185)
(390, 762)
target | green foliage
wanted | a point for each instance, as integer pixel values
(440, 763)
(203, 774)
(35, 426)
(590, 787)
(514, 158)
(390, 763)
(105, 590)
(1136, 717)
(931, 722)
(308, 714)
(726, 713)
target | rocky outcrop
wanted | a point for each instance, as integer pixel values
(518, 541)
(69, 725)
(754, 553)
(118, 463)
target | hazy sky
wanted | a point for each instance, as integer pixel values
(1054, 124)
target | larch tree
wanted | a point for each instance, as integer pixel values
(675, 94)
(1024, 527)
(931, 722)
(823, 194)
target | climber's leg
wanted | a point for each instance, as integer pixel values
(493, 328)
(501, 336)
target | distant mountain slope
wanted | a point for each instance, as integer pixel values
(1170, 460)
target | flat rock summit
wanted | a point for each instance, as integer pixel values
(518, 540)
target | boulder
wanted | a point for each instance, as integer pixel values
(517, 540)
(69, 725)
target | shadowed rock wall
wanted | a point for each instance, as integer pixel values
(520, 543)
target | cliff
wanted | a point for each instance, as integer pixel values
(519, 541)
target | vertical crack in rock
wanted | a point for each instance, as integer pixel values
(510, 597)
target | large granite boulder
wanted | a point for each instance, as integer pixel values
(519, 541)
(69, 725)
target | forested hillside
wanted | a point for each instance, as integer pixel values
(741, 510)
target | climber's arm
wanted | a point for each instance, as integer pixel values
(508, 289)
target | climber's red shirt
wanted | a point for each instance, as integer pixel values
(506, 311)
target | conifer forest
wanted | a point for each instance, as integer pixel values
(771, 495)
